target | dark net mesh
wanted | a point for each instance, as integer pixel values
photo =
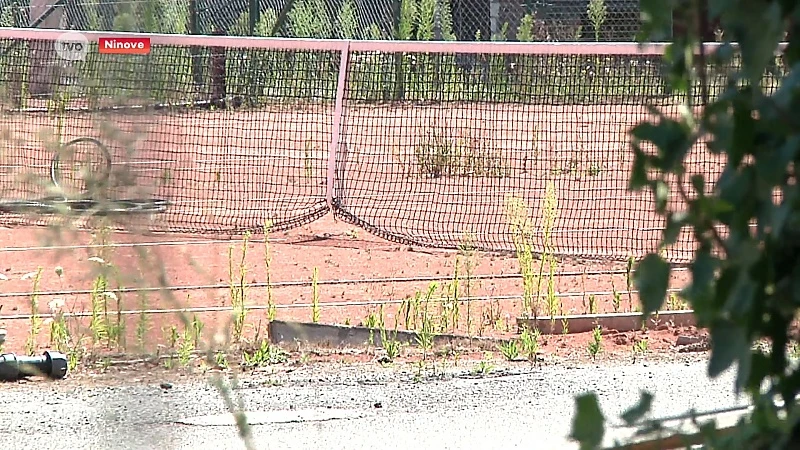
(436, 149)
(493, 150)
(464, 20)
(246, 145)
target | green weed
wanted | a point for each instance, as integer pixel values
(596, 344)
(265, 354)
(521, 235)
(36, 321)
(315, 312)
(510, 349)
(390, 344)
(616, 300)
(530, 343)
(440, 153)
(640, 347)
(675, 303)
(238, 288)
(466, 259)
(483, 368)
(271, 308)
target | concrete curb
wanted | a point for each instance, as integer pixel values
(338, 336)
(582, 323)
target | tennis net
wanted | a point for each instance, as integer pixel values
(426, 143)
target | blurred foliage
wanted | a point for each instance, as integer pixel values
(745, 274)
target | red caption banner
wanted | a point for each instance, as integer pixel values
(124, 46)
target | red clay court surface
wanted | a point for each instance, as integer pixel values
(588, 223)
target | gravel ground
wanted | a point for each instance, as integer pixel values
(515, 406)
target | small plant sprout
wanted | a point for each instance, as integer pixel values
(315, 313)
(221, 359)
(271, 309)
(530, 343)
(59, 332)
(592, 304)
(484, 367)
(237, 277)
(264, 355)
(390, 344)
(675, 303)
(36, 321)
(510, 349)
(616, 300)
(371, 322)
(596, 344)
(629, 280)
(639, 347)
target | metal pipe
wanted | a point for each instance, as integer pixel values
(285, 284)
(202, 309)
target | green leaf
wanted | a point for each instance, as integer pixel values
(588, 423)
(634, 413)
(639, 172)
(652, 280)
(740, 300)
(675, 223)
(728, 345)
(661, 193)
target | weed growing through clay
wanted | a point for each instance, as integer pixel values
(522, 237)
(389, 342)
(510, 349)
(442, 153)
(616, 299)
(315, 313)
(592, 304)
(308, 159)
(639, 348)
(142, 323)
(629, 281)
(36, 321)
(548, 259)
(530, 343)
(484, 367)
(449, 304)
(466, 258)
(596, 344)
(221, 359)
(238, 288)
(271, 308)
(371, 321)
(675, 303)
(265, 354)
(59, 331)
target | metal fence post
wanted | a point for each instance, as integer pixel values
(194, 28)
(338, 112)
(399, 76)
(255, 15)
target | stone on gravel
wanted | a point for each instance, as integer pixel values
(688, 340)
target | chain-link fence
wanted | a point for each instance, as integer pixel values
(464, 20)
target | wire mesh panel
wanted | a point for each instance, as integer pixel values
(428, 20)
(492, 149)
(248, 146)
(439, 144)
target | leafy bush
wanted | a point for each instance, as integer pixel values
(746, 266)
